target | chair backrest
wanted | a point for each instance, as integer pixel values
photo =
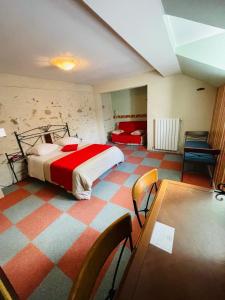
(143, 183)
(196, 135)
(7, 291)
(100, 251)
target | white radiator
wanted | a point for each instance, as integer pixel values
(167, 134)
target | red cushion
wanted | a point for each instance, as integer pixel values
(132, 126)
(71, 147)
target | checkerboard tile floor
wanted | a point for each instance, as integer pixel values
(45, 234)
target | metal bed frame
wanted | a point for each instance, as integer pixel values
(46, 133)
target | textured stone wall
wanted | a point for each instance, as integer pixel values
(27, 102)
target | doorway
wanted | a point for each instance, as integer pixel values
(125, 105)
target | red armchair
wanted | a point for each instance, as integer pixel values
(126, 137)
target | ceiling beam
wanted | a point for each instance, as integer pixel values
(141, 25)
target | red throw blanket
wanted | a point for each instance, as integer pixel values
(62, 168)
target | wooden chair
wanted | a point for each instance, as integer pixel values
(146, 182)
(118, 231)
(7, 291)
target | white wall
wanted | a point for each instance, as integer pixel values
(172, 96)
(27, 102)
(130, 102)
(107, 110)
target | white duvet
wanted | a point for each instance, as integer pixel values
(84, 175)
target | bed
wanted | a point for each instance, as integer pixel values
(74, 170)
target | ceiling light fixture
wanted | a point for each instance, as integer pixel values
(64, 63)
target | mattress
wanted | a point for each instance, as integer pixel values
(83, 176)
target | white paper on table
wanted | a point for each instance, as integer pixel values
(163, 236)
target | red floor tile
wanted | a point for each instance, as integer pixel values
(104, 270)
(96, 181)
(142, 148)
(23, 183)
(27, 269)
(156, 155)
(117, 177)
(121, 146)
(134, 159)
(197, 179)
(86, 210)
(13, 198)
(172, 165)
(72, 260)
(123, 198)
(127, 151)
(4, 223)
(47, 193)
(140, 170)
(37, 221)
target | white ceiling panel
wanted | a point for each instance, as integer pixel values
(185, 31)
(32, 32)
(141, 25)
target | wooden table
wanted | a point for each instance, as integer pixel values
(196, 267)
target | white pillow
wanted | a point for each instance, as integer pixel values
(42, 149)
(137, 132)
(118, 131)
(67, 141)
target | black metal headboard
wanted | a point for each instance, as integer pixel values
(47, 134)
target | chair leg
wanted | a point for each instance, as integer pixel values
(131, 243)
(112, 290)
(146, 207)
(137, 213)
